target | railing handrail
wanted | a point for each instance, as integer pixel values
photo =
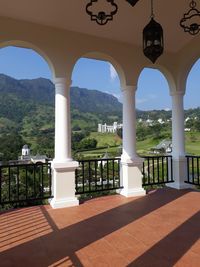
(192, 156)
(7, 165)
(25, 182)
(155, 156)
(96, 175)
(157, 170)
(88, 160)
(193, 170)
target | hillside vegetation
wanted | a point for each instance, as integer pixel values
(27, 116)
(27, 112)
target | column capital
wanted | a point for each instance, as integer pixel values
(62, 80)
(132, 88)
(176, 93)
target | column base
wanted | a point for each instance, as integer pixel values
(64, 203)
(136, 192)
(180, 186)
(180, 174)
(132, 178)
(63, 184)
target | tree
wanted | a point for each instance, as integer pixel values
(197, 125)
(10, 146)
(88, 143)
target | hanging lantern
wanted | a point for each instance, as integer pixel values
(153, 39)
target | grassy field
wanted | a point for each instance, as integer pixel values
(144, 146)
(192, 143)
(112, 144)
(106, 139)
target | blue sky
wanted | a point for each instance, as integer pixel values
(152, 92)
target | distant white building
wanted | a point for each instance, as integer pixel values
(149, 122)
(27, 157)
(187, 129)
(187, 119)
(161, 121)
(25, 151)
(104, 128)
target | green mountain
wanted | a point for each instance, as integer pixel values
(28, 93)
(27, 114)
(27, 108)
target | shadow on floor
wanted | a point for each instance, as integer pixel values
(171, 248)
(60, 245)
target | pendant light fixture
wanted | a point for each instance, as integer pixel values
(153, 38)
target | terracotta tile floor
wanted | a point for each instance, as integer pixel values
(158, 230)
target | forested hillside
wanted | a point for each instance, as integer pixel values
(27, 116)
(27, 112)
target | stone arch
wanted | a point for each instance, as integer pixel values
(22, 44)
(187, 58)
(105, 57)
(191, 99)
(165, 72)
(184, 74)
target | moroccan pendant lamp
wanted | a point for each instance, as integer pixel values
(153, 39)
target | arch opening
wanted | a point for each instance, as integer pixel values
(192, 110)
(27, 103)
(96, 82)
(153, 104)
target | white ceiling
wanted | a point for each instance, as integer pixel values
(127, 25)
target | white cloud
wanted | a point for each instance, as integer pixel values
(113, 73)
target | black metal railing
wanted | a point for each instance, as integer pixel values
(25, 182)
(157, 170)
(193, 170)
(97, 175)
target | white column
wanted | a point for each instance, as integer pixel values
(62, 120)
(129, 124)
(178, 134)
(131, 164)
(178, 142)
(63, 167)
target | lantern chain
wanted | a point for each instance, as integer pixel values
(152, 14)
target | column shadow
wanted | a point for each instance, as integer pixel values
(58, 244)
(169, 250)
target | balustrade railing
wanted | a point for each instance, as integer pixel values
(157, 170)
(193, 170)
(25, 182)
(31, 182)
(97, 175)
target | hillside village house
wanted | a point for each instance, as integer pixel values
(26, 156)
(165, 146)
(119, 230)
